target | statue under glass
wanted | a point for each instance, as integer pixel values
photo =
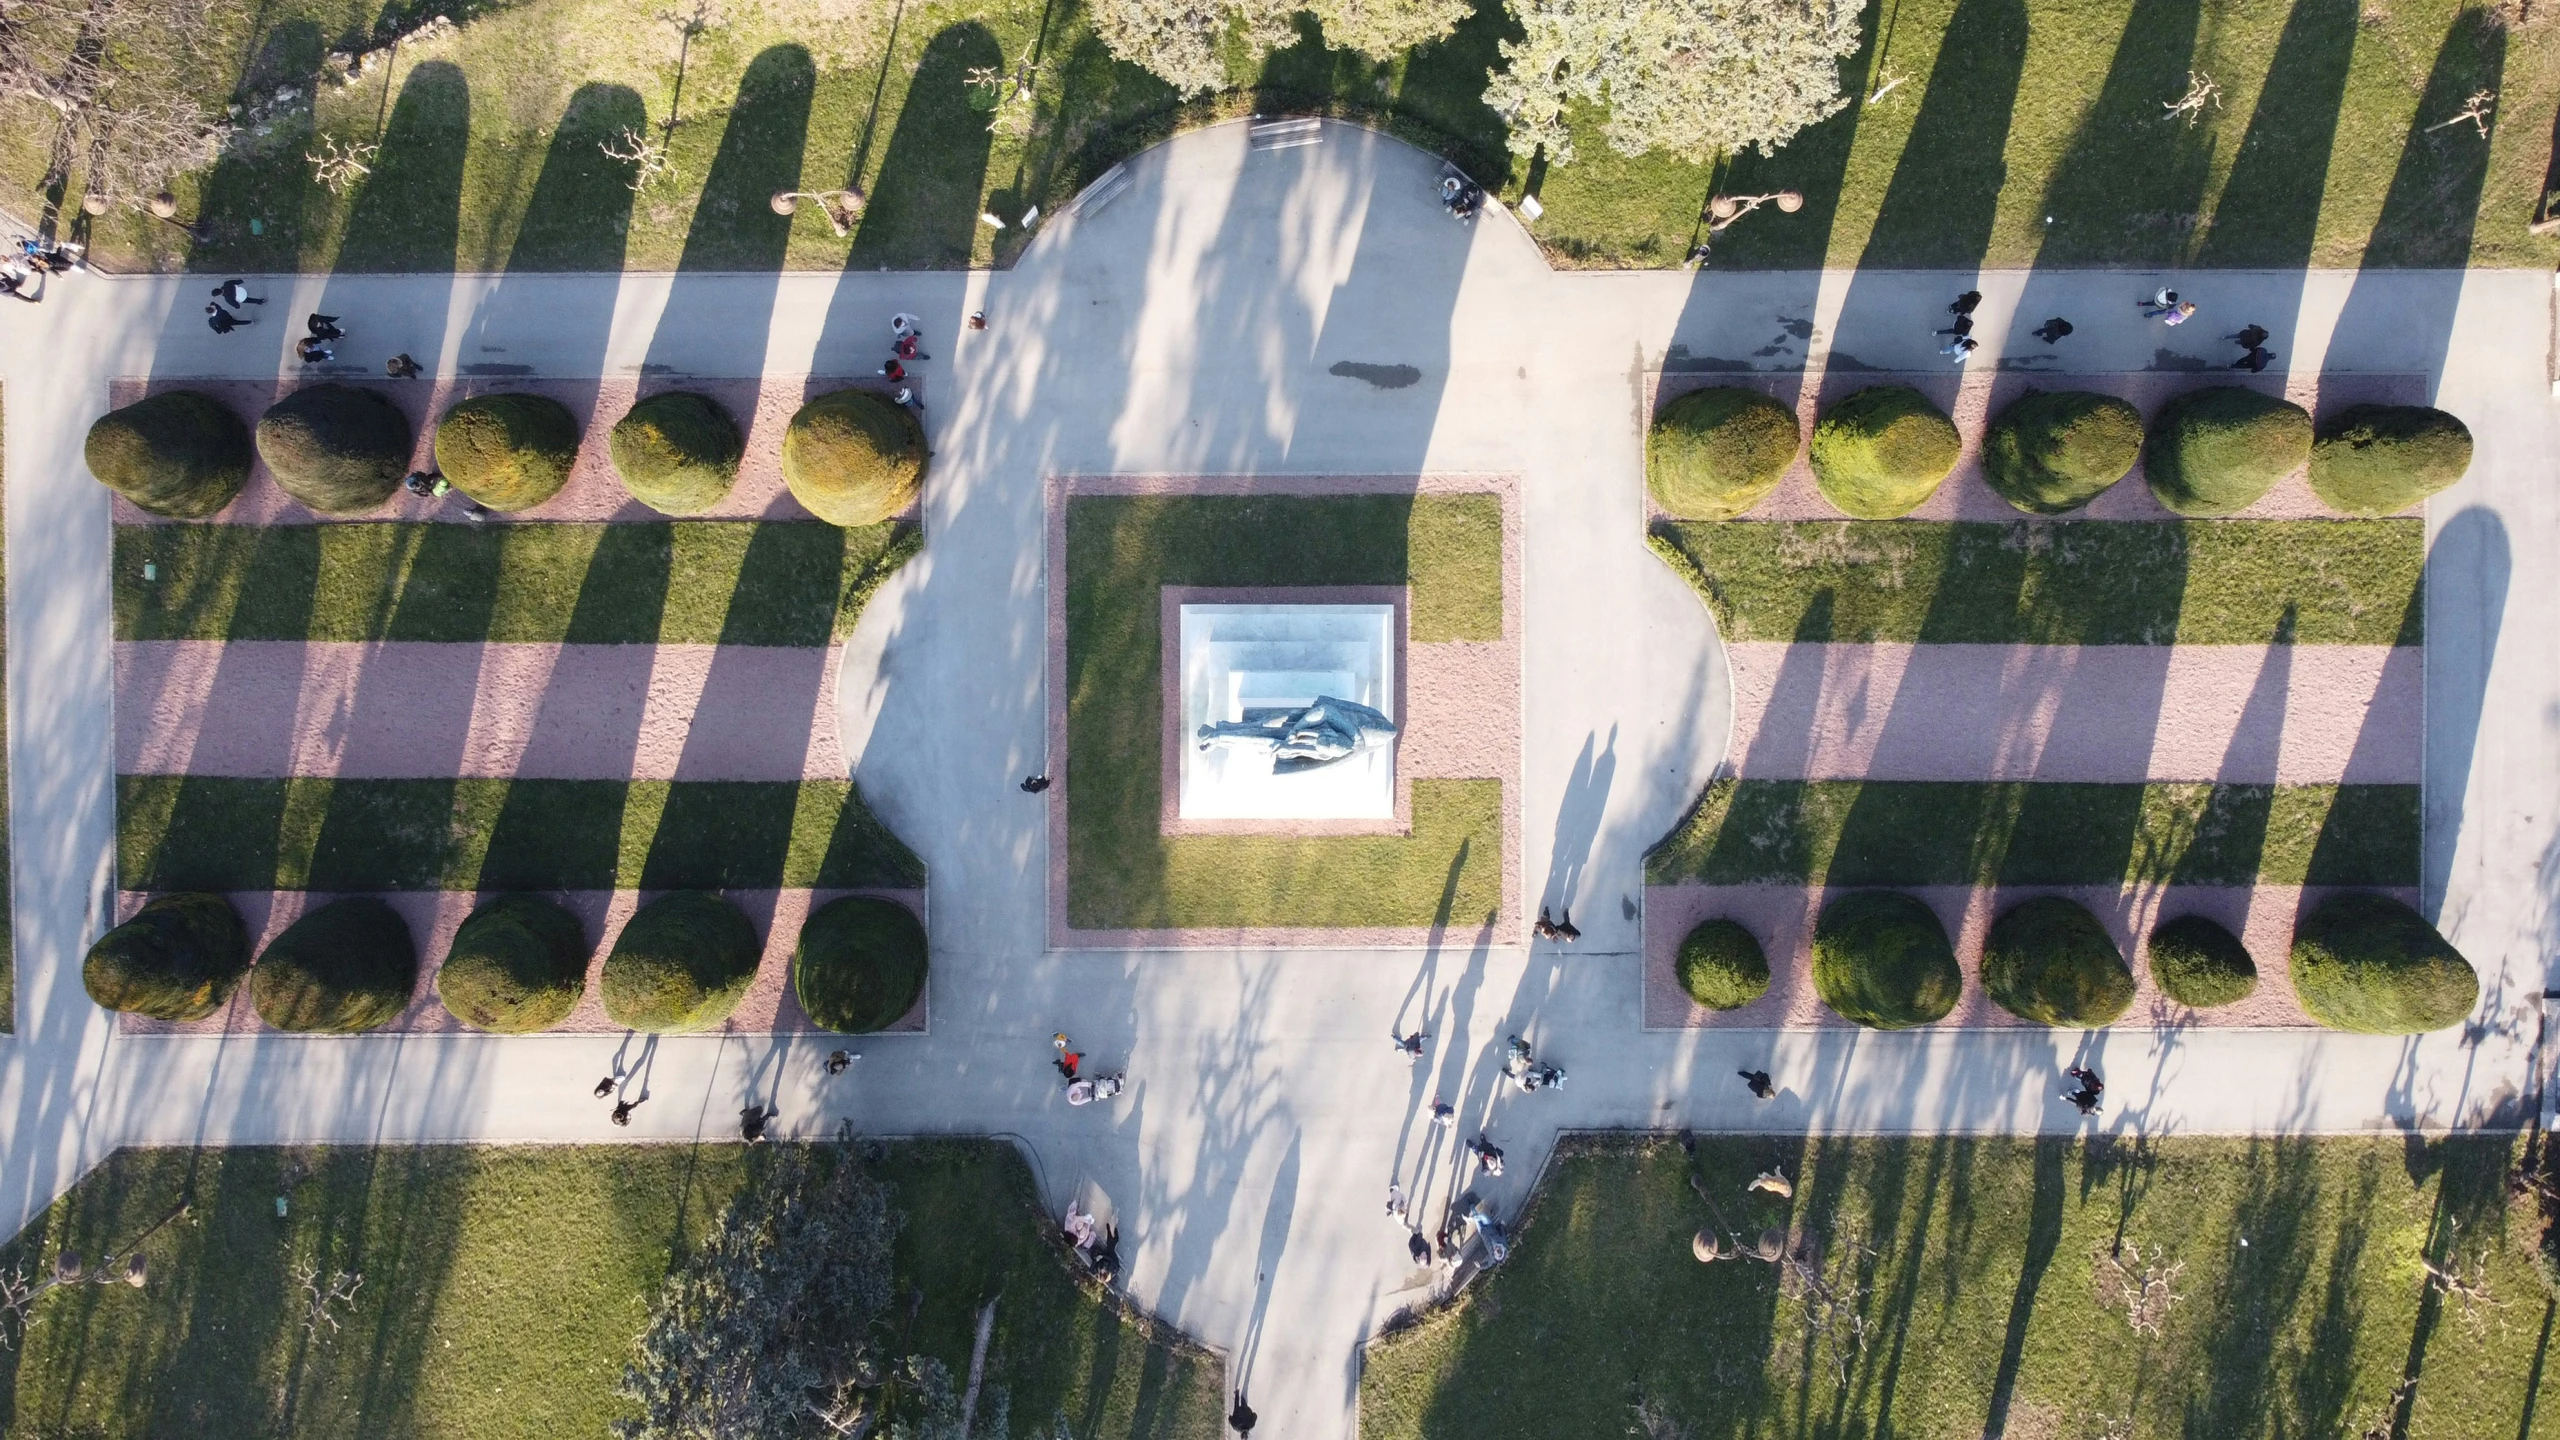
(1304, 738)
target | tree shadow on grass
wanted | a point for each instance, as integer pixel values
(408, 216)
(246, 185)
(2044, 1237)
(734, 227)
(2268, 213)
(2127, 188)
(579, 215)
(923, 211)
(2264, 1282)
(1939, 207)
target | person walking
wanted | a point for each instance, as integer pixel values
(1241, 1419)
(401, 367)
(1488, 1155)
(314, 350)
(323, 327)
(1961, 347)
(1067, 1060)
(1417, 1247)
(902, 325)
(977, 319)
(907, 399)
(2052, 330)
(1963, 326)
(1758, 1080)
(1545, 929)
(1444, 1116)
(2091, 1087)
(604, 1087)
(893, 370)
(223, 321)
(907, 349)
(1408, 1046)
(1565, 930)
(1034, 784)
(839, 1061)
(1395, 1203)
(2256, 361)
(622, 1110)
(235, 293)
(2248, 337)
(1963, 305)
(752, 1120)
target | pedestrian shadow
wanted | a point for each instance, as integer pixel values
(1586, 798)
(734, 225)
(923, 209)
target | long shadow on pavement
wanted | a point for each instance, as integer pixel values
(734, 226)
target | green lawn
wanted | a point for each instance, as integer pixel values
(503, 1290)
(2092, 582)
(1978, 1290)
(1906, 832)
(8, 892)
(681, 582)
(1122, 871)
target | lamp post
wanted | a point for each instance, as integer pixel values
(842, 207)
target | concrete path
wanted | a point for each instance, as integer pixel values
(1235, 311)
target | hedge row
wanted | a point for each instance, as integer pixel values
(1879, 453)
(852, 457)
(2361, 962)
(517, 965)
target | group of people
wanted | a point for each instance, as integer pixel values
(1460, 196)
(1559, 931)
(31, 261)
(2163, 305)
(1525, 1070)
(623, 1105)
(906, 342)
(1083, 1089)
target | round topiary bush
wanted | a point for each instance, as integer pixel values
(2368, 963)
(179, 959)
(2054, 451)
(1715, 453)
(509, 452)
(335, 448)
(177, 453)
(681, 964)
(860, 964)
(2211, 452)
(2382, 459)
(1881, 958)
(1880, 452)
(677, 453)
(347, 966)
(516, 966)
(853, 458)
(2198, 963)
(1722, 966)
(2050, 961)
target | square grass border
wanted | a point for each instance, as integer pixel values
(1114, 545)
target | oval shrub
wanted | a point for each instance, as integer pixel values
(2368, 963)
(1881, 451)
(2382, 459)
(1881, 958)
(1715, 453)
(680, 964)
(2214, 451)
(347, 966)
(517, 965)
(2198, 963)
(2049, 960)
(2055, 451)
(178, 453)
(509, 452)
(1722, 966)
(853, 458)
(859, 964)
(178, 959)
(677, 453)
(335, 448)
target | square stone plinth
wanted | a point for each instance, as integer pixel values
(1243, 662)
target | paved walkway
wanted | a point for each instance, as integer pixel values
(1197, 325)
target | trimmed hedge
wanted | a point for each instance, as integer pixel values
(677, 453)
(179, 959)
(335, 448)
(509, 452)
(2049, 960)
(2199, 963)
(1879, 452)
(2214, 451)
(1881, 959)
(517, 965)
(347, 966)
(2367, 963)
(1722, 966)
(178, 453)
(1715, 453)
(2055, 451)
(681, 964)
(2382, 459)
(859, 964)
(854, 457)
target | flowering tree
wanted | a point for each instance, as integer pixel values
(1385, 29)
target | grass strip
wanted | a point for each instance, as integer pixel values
(1909, 832)
(504, 1287)
(1978, 1272)
(1123, 873)
(196, 832)
(2090, 582)
(701, 582)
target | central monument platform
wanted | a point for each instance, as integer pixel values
(1249, 662)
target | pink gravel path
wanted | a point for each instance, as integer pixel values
(1973, 398)
(2288, 714)
(402, 709)
(1782, 918)
(768, 1007)
(762, 408)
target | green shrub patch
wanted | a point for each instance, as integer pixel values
(1881, 959)
(678, 452)
(2055, 451)
(854, 457)
(2049, 960)
(681, 964)
(2215, 451)
(349, 965)
(335, 448)
(179, 453)
(2367, 963)
(179, 959)
(1715, 453)
(2382, 459)
(2199, 963)
(1880, 452)
(509, 452)
(859, 964)
(1722, 966)
(517, 965)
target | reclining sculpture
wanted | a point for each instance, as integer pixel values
(1302, 739)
